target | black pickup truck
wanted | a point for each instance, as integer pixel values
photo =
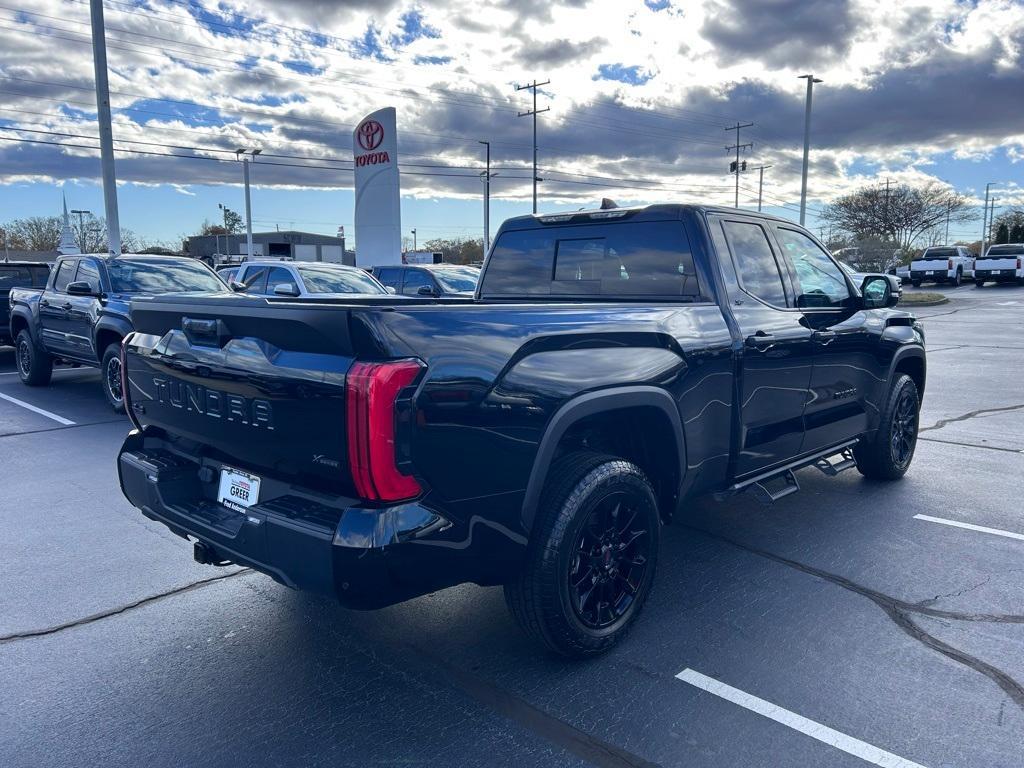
(613, 365)
(79, 315)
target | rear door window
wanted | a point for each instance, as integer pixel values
(392, 278)
(255, 279)
(758, 270)
(279, 276)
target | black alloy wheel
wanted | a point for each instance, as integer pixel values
(111, 368)
(903, 435)
(609, 562)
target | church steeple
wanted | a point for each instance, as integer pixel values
(67, 236)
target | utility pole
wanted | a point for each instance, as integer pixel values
(99, 59)
(736, 168)
(760, 182)
(534, 86)
(248, 204)
(487, 199)
(811, 80)
(885, 210)
(984, 220)
(414, 246)
(949, 205)
(81, 228)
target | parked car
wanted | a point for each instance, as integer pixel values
(615, 365)
(1001, 264)
(902, 271)
(279, 278)
(17, 274)
(80, 316)
(439, 280)
(959, 265)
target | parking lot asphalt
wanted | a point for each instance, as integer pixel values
(854, 623)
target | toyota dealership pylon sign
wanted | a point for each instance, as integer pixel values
(378, 216)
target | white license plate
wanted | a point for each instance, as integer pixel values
(996, 272)
(929, 273)
(238, 490)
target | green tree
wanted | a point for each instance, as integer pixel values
(1014, 220)
(458, 250)
(1002, 234)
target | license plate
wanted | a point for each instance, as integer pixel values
(238, 490)
(996, 272)
(929, 273)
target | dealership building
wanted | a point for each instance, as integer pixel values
(301, 246)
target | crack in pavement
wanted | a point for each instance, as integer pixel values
(972, 445)
(4, 639)
(972, 414)
(899, 610)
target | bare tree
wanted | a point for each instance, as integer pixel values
(35, 233)
(902, 214)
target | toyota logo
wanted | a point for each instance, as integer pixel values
(370, 134)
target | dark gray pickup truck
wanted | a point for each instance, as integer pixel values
(613, 365)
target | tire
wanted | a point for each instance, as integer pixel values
(958, 279)
(888, 454)
(35, 366)
(979, 283)
(916, 283)
(111, 370)
(579, 530)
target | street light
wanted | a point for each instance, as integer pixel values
(248, 206)
(414, 248)
(811, 80)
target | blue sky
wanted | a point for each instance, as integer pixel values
(641, 90)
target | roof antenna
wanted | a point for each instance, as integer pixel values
(606, 203)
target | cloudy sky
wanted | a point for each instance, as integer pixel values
(640, 94)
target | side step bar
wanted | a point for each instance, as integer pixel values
(780, 482)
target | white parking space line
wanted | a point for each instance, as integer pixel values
(971, 527)
(40, 411)
(822, 733)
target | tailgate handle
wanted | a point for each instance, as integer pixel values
(205, 332)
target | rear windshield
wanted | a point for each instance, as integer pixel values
(457, 279)
(20, 276)
(613, 260)
(336, 280)
(161, 276)
(1005, 250)
(940, 253)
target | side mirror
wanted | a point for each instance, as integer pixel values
(286, 289)
(236, 286)
(390, 289)
(425, 290)
(877, 292)
(81, 289)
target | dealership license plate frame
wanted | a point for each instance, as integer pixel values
(246, 489)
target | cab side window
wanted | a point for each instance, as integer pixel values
(414, 279)
(819, 280)
(755, 262)
(279, 276)
(65, 275)
(89, 273)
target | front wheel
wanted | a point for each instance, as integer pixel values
(111, 367)
(591, 559)
(35, 366)
(888, 454)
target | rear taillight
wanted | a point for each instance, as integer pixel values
(949, 264)
(125, 392)
(371, 392)
(1018, 262)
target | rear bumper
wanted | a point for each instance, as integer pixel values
(1004, 276)
(938, 275)
(366, 557)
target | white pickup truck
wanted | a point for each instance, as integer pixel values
(943, 264)
(1001, 264)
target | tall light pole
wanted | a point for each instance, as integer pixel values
(81, 228)
(760, 182)
(414, 248)
(487, 199)
(99, 60)
(248, 203)
(534, 86)
(811, 80)
(984, 219)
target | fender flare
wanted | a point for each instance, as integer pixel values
(25, 314)
(905, 353)
(118, 325)
(588, 404)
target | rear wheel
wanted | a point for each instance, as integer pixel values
(979, 283)
(888, 454)
(111, 367)
(958, 279)
(591, 559)
(35, 366)
(916, 283)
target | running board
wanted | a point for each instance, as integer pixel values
(766, 487)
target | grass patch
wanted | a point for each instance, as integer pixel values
(923, 298)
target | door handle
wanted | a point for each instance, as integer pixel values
(44, 303)
(66, 306)
(823, 337)
(761, 341)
